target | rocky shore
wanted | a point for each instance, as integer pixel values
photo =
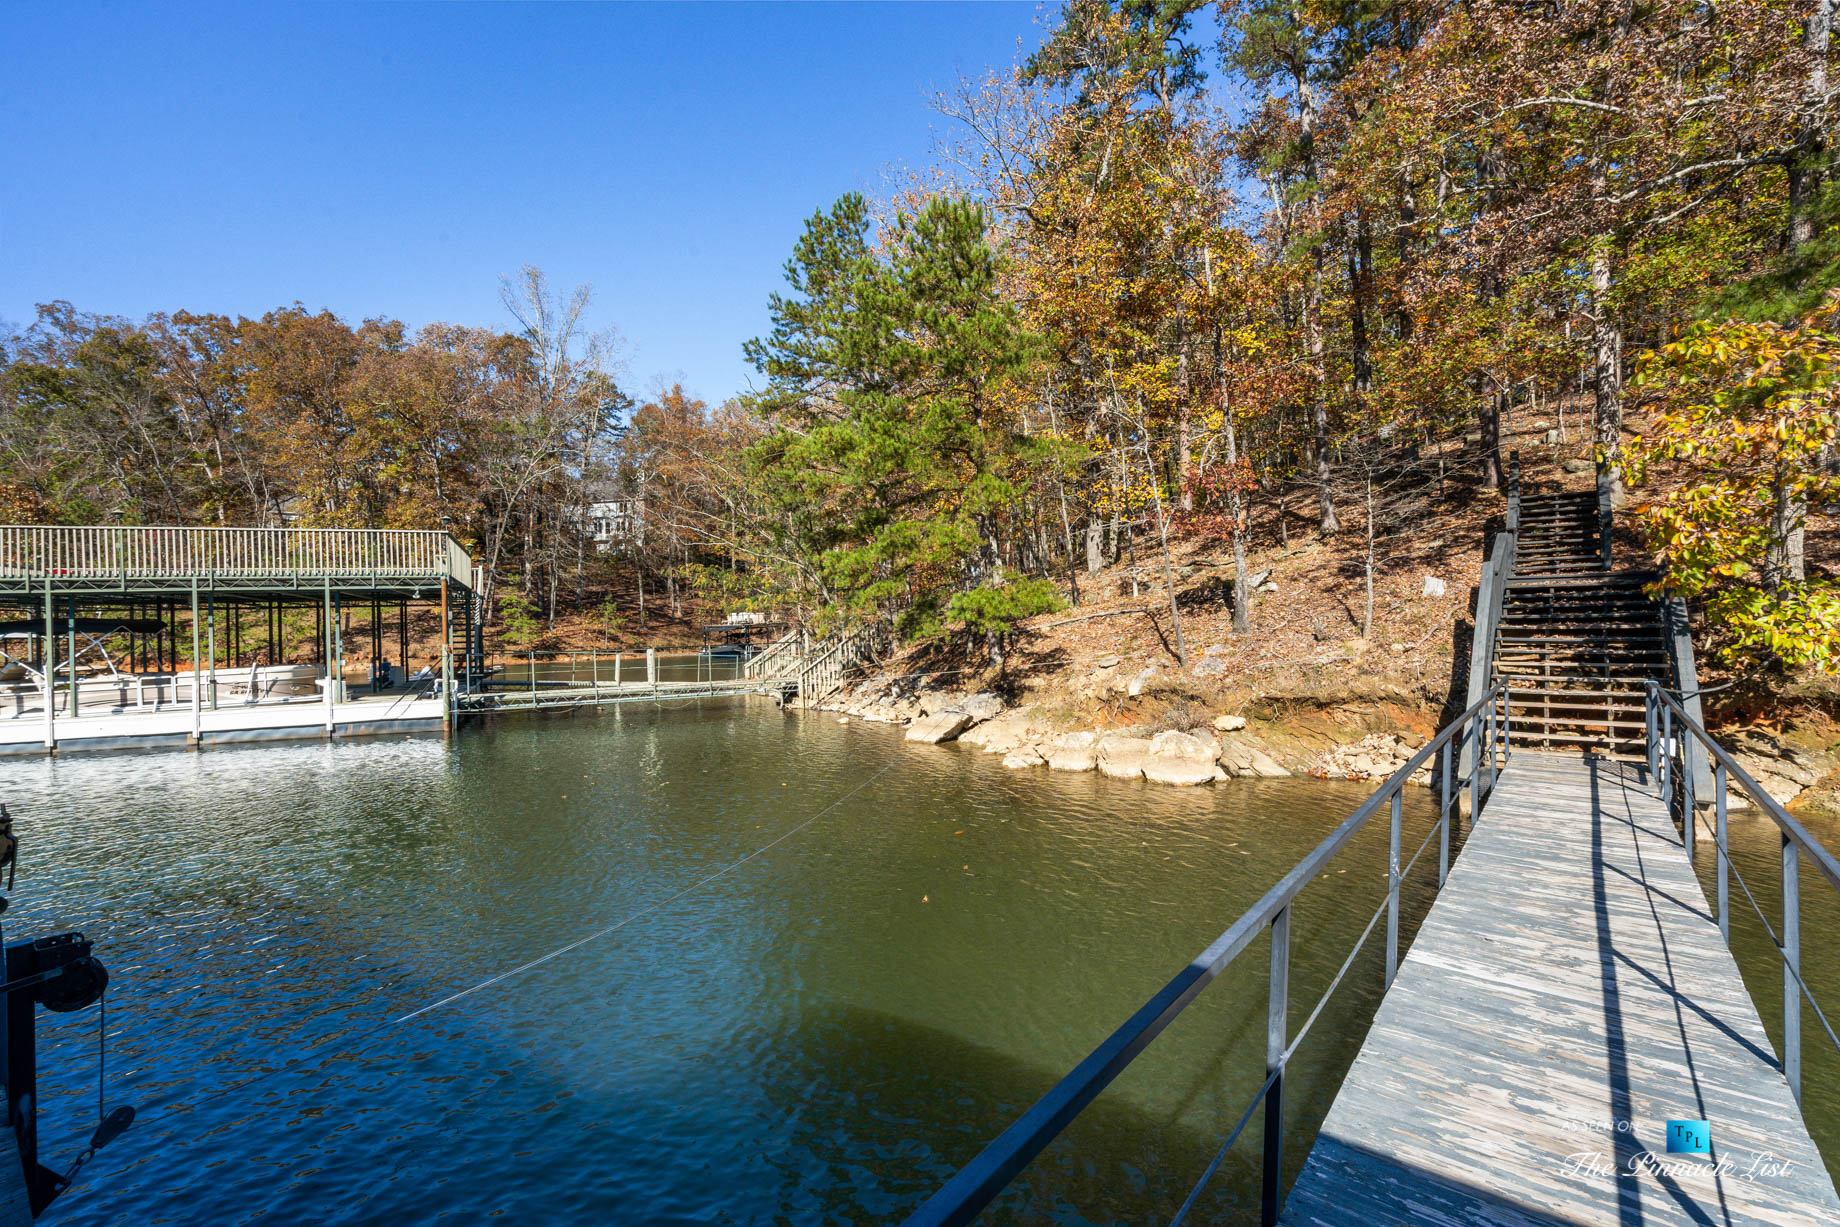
(1090, 725)
(1228, 746)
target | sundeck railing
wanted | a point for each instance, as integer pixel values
(1672, 732)
(161, 552)
(975, 1185)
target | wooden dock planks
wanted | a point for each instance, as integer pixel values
(1569, 977)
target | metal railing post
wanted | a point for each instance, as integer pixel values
(1277, 1036)
(1667, 755)
(1653, 723)
(1474, 732)
(1792, 966)
(1491, 748)
(1443, 813)
(1392, 888)
(1689, 812)
(1724, 862)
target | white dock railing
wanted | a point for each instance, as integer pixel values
(160, 552)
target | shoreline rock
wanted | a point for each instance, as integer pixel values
(1795, 764)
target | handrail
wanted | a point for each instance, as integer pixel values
(162, 551)
(1491, 596)
(1606, 510)
(836, 655)
(974, 1185)
(1666, 717)
(756, 666)
(1686, 681)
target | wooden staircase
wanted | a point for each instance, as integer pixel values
(1576, 642)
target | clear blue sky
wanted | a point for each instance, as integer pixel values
(397, 159)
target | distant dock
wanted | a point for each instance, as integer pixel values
(143, 637)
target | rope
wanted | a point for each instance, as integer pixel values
(102, 1047)
(352, 1045)
(648, 910)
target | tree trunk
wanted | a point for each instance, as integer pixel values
(1807, 169)
(1488, 413)
(1312, 312)
(1095, 543)
(1367, 612)
(1783, 561)
(1606, 350)
(1360, 262)
(1408, 219)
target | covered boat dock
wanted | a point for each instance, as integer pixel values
(116, 636)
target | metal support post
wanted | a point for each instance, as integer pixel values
(1277, 1035)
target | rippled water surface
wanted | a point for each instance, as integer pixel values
(820, 1034)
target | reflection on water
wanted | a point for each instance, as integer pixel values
(821, 1035)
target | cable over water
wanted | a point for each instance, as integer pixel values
(352, 1047)
(649, 909)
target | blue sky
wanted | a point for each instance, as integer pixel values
(398, 159)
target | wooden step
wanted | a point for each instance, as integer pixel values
(1636, 685)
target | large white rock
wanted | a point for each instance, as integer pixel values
(1241, 760)
(1182, 758)
(1121, 756)
(1264, 765)
(941, 726)
(1001, 735)
(1023, 756)
(1073, 752)
(981, 706)
(1229, 724)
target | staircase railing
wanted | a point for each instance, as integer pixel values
(1491, 597)
(822, 672)
(1605, 512)
(1671, 729)
(977, 1183)
(780, 659)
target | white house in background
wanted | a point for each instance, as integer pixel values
(616, 523)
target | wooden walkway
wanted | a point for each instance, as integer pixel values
(509, 698)
(1566, 997)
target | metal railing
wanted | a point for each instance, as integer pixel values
(973, 1187)
(1671, 731)
(161, 552)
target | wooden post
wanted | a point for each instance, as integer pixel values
(197, 673)
(325, 651)
(50, 664)
(210, 630)
(651, 668)
(447, 670)
(70, 654)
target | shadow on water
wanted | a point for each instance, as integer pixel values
(822, 1034)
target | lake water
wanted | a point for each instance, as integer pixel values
(820, 1034)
